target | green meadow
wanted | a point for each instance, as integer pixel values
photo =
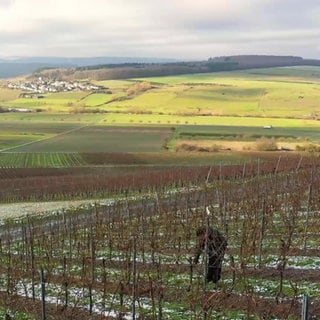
(48, 117)
(275, 92)
(208, 120)
(217, 106)
(244, 133)
(100, 139)
(69, 132)
(253, 93)
(7, 94)
(96, 99)
(19, 132)
(51, 102)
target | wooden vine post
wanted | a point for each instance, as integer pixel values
(134, 277)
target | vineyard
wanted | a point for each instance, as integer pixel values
(129, 258)
(100, 180)
(36, 160)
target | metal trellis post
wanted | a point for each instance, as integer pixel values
(43, 294)
(305, 307)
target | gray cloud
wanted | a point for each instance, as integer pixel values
(169, 28)
(6, 3)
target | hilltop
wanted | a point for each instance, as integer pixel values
(20, 66)
(122, 68)
(134, 70)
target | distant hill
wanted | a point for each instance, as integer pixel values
(258, 61)
(10, 69)
(104, 68)
(21, 66)
(135, 70)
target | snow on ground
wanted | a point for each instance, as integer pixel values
(13, 210)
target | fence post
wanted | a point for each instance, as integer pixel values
(277, 166)
(261, 235)
(208, 175)
(305, 307)
(305, 237)
(43, 294)
(134, 276)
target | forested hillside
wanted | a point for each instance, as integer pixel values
(133, 70)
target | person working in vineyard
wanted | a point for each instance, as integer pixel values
(213, 242)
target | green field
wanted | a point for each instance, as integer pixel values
(215, 106)
(17, 133)
(101, 139)
(134, 119)
(49, 117)
(8, 94)
(274, 92)
(107, 135)
(248, 132)
(57, 102)
(40, 160)
(96, 99)
(124, 163)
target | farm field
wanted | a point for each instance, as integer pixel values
(284, 98)
(17, 133)
(245, 138)
(262, 92)
(134, 119)
(116, 159)
(267, 93)
(51, 101)
(42, 135)
(101, 139)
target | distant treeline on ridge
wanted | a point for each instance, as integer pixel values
(148, 69)
(134, 70)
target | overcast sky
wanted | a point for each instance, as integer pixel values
(183, 29)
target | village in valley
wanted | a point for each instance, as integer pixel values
(37, 88)
(41, 85)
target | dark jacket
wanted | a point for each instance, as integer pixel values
(216, 244)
